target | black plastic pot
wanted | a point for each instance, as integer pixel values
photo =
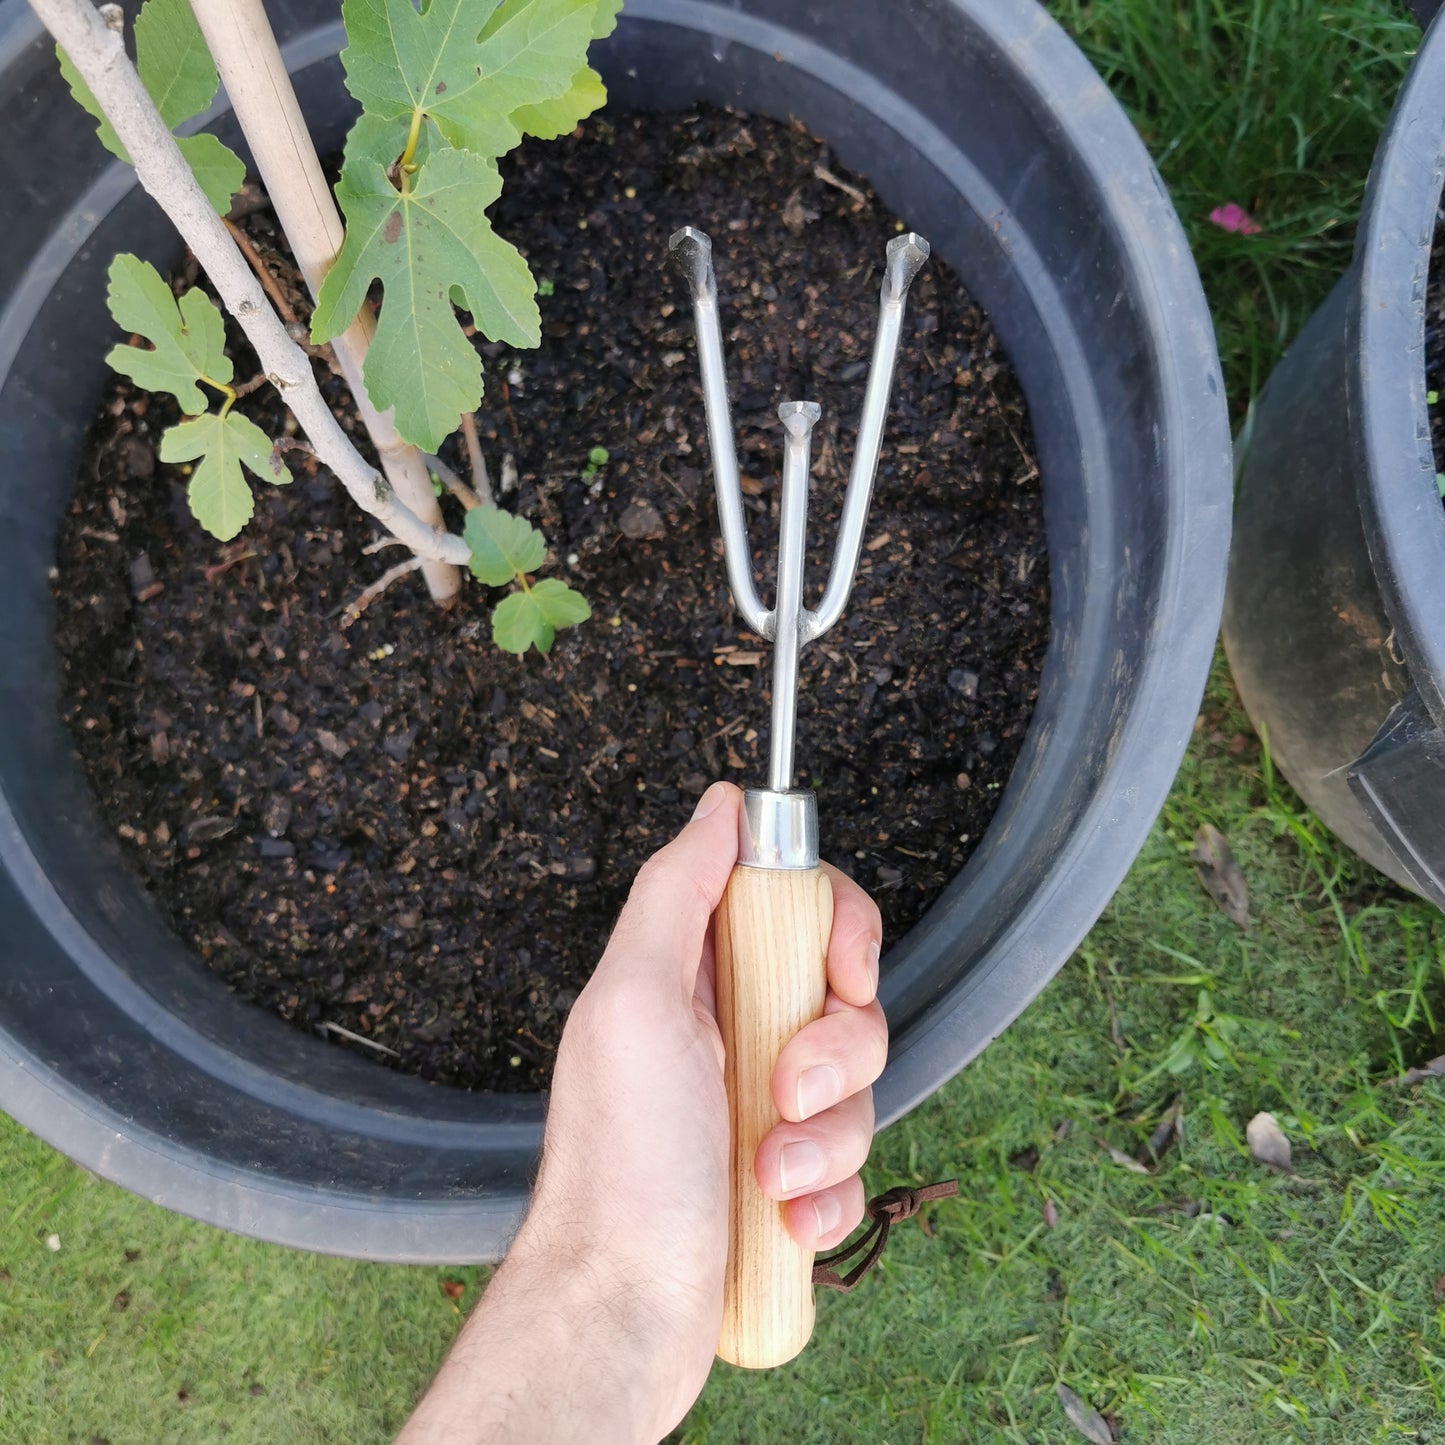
(982, 124)
(1335, 617)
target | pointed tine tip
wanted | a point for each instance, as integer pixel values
(799, 417)
(906, 257)
(691, 251)
(689, 236)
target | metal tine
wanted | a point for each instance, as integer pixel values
(906, 256)
(692, 252)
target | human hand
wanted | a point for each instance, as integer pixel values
(625, 1245)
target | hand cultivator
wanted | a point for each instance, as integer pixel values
(775, 918)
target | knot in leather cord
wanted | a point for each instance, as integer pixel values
(884, 1211)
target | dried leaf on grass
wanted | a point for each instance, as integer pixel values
(1431, 1069)
(1169, 1128)
(1123, 1160)
(1051, 1212)
(1190, 1209)
(453, 1289)
(1084, 1418)
(1222, 877)
(1267, 1142)
(1115, 1032)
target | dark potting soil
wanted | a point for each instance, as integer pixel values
(395, 830)
(1435, 345)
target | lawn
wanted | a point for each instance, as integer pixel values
(1208, 1299)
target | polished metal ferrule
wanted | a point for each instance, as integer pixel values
(778, 829)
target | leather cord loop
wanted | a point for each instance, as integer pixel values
(884, 1211)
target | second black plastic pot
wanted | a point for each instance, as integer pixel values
(980, 122)
(1335, 617)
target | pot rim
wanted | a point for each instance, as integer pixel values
(1160, 724)
(1107, 835)
(1402, 510)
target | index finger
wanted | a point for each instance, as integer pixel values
(855, 942)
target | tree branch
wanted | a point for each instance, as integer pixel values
(481, 481)
(455, 485)
(242, 44)
(353, 610)
(269, 284)
(98, 54)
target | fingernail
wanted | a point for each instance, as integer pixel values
(709, 802)
(819, 1088)
(828, 1212)
(873, 953)
(800, 1166)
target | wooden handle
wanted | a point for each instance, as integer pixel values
(772, 977)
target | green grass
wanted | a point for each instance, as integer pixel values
(1274, 104)
(1311, 1310)
(1211, 1301)
(146, 1327)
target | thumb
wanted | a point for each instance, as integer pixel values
(665, 919)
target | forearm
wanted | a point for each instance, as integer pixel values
(603, 1322)
(552, 1352)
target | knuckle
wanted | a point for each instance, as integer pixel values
(650, 876)
(646, 887)
(857, 1154)
(605, 1011)
(860, 1131)
(874, 1051)
(659, 884)
(859, 1048)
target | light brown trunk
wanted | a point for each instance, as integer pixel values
(242, 44)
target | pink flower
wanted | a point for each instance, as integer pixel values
(1234, 217)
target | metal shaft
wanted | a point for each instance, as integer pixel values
(798, 419)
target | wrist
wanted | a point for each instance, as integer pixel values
(601, 1320)
(556, 1350)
